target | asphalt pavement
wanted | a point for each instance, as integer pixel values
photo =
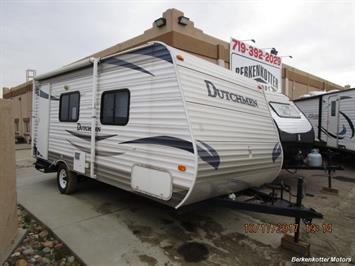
(105, 225)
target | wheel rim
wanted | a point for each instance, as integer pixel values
(63, 178)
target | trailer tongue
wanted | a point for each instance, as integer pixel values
(272, 203)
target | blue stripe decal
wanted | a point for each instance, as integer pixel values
(120, 62)
(205, 151)
(45, 95)
(98, 153)
(156, 50)
(350, 124)
(330, 134)
(88, 136)
(345, 97)
(276, 152)
(208, 155)
(343, 131)
(165, 141)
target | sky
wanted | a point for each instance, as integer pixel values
(45, 35)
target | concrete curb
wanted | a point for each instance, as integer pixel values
(21, 233)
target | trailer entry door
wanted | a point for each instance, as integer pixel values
(333, 121)
(43, 120)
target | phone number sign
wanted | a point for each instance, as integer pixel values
(252, 62)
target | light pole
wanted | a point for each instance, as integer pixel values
(249, 40)
(283, 56)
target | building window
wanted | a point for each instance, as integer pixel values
(17, 128)
(26, 121)
(333, 108)
(69, 107)
(115, 107)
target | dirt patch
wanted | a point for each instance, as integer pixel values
(193, 251)
(201, 240)
(105, 208)
(188, 226)
(345, 179)
(148, 259)
(166, 221)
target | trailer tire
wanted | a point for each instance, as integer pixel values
(67, 181)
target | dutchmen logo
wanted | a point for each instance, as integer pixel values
(81, 127)
(229, 96)
(84, 132)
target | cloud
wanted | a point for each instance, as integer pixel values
(45, 35)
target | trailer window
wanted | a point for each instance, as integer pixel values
(333, 108)
(115, 107)
(285, 110)
(69, 107)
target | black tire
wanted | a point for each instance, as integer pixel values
(67, 181)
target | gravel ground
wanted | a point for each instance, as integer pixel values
(39, 246)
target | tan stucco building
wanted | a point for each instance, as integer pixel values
(21, 97)
(8, 209)
(295, 82)
(184, 36)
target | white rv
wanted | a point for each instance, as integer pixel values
(155, 121)
(295, 131)
(332, 116)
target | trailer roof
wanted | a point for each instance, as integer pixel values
(321, 95)
(83, 64)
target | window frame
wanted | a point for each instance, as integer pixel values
(17, 125)
(128, 106)
(333, 108)
(27, 126)
(283, 116)
(60, 107)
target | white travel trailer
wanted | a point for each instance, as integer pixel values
(295, 131)
(155, 121)
(332, 116)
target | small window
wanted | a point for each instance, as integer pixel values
(115, 107)
(333, 108)
(26, 122)
(285, 110)
(16, 125)
(69, 107)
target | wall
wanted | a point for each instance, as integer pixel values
(21, 97)
(22, 114)
(297, 82)
(8, 209)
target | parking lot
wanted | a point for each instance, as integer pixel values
(104, 225)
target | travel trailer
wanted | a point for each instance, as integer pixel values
(155, 121)
(332, 116)
(295, 131)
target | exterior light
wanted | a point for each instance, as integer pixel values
(180, 57)
(273, 51)
(181, 168)
(160, 22)
(183, 20)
